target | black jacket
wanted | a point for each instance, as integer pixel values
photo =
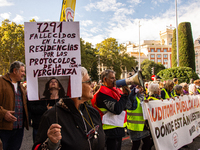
(37, 109)
(114, 106)
(73, 129)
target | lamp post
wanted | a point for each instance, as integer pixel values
(177, 35)
(139, 46)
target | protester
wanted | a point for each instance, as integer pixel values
(197, 83)
(154, 92)
(53, 91)
(166, 91)
(178, 90)
(79, 125)
(175, 80)
(193, 89)
(137, 127)
(13, 109)
(111, 102)
(185, 88)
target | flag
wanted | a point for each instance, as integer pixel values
(68, 10)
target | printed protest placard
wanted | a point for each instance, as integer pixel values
(52, 49)
(174, 123)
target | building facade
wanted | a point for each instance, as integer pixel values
(197, 54)
(158, 51)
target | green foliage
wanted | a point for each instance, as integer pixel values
(174, 53)
(186, 46)
(89, 59)
(184, 74)
(11, 44)
(146, 66)
(114, 57)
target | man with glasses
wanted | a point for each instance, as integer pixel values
(111, 103)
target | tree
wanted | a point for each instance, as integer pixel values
(184, 74)
(186, 46)
(146, 66)
(89, 59)
(114, 57)
(174, 50)
(11, 44)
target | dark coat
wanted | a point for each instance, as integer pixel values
(37, 109)
(73, 128)
(7, 102)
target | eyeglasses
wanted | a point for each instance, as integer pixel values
(89, 81)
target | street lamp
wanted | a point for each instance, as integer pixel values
(177, 35)
(139, 44)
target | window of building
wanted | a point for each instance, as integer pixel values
(165, 56)
(152, 60)
(159, 56)
(170, 43)
(159, 60)
(158, 50)
(165, 50)
(165, 60)
(152, 56)
(152, 50)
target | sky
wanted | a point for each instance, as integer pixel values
(101, 19)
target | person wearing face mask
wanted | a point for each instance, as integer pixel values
(111, 103)
(78, 125)
(138, 127)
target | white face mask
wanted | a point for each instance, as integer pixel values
(136, 90)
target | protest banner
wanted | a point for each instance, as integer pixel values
(68, 10)
(52, 49)
(173, 123)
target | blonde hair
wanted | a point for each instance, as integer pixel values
(168, 84)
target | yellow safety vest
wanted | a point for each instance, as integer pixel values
(106, 126)
(153, 98)
(135, 120)
(166, 94)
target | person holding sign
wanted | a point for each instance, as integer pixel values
(79, 125)
(53, 91)
(13, 107)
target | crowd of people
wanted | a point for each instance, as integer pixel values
(94, 121)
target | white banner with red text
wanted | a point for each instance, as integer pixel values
(173, 123)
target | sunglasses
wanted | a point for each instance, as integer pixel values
(89, 81)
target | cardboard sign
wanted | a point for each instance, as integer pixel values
(52, 49)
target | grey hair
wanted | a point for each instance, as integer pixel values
(83, 72)
(192, 88)
(16, 65)
(153, 87)
(105, 73)
(178, 87)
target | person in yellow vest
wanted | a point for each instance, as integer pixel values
(111, 103)
(178, 91)
(166, 92)
(136, 125)
(193, 89)
(154, 92)
(197, 83)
